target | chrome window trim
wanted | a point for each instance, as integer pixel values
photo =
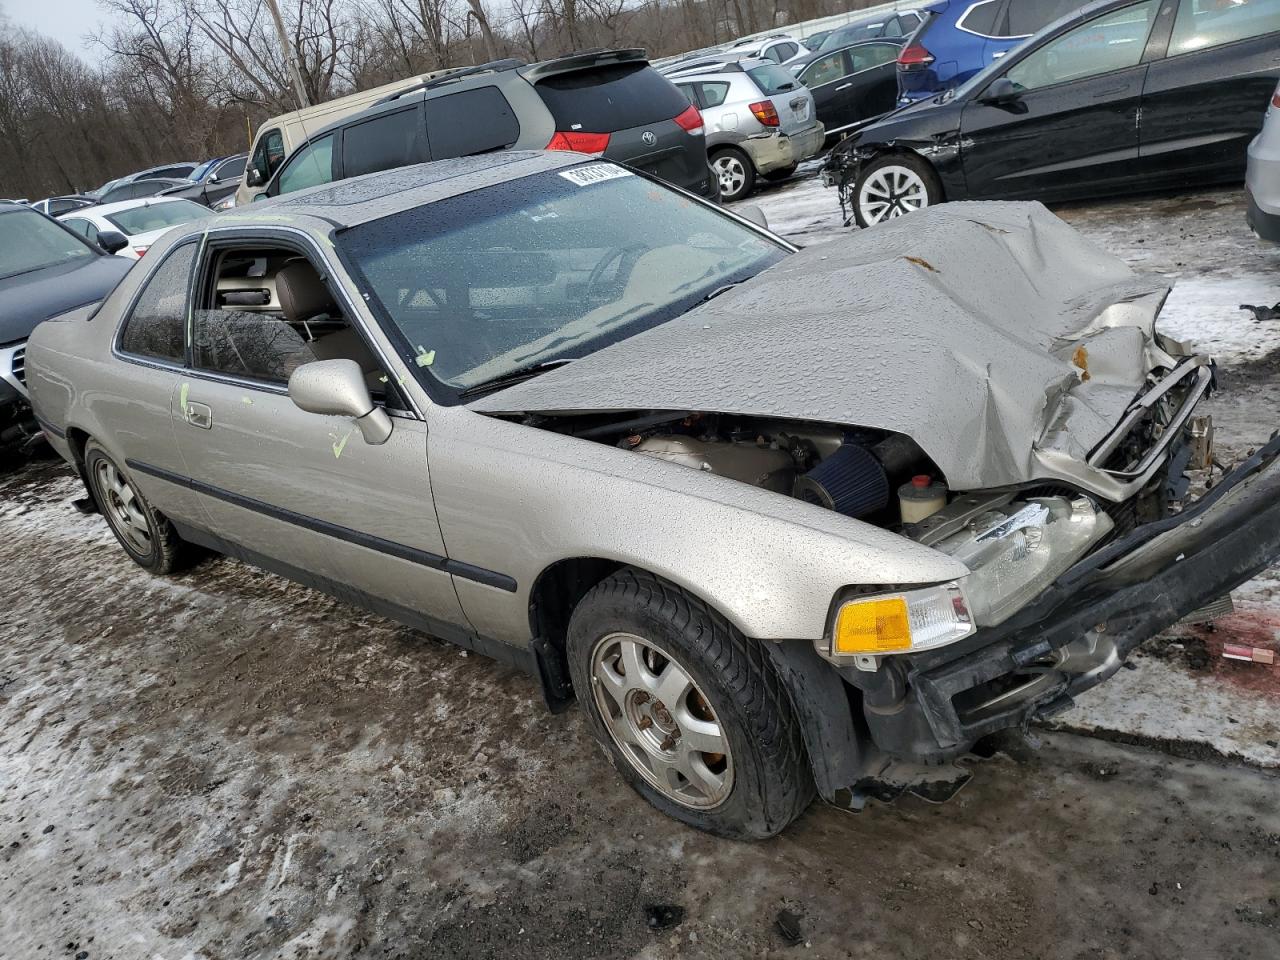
(985, 36)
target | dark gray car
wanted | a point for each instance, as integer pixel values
(608, 103)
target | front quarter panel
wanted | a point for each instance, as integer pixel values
(516, 499)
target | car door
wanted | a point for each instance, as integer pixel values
(828, 80)
(1071, 129)
(1204, 99)
(297, 492)
(873, 80)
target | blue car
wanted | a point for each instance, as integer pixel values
(960, 37)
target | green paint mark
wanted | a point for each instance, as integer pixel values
(425, 358)
(341, 444)
(182, 397)
(247, 400)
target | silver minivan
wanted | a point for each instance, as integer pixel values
(759, 120)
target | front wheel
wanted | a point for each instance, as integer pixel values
(689, 711)
(892, 186)
(735, 172)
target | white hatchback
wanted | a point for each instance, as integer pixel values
(140, 222)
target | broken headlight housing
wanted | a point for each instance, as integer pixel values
(1017, 550)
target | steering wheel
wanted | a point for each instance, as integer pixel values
(626, 257)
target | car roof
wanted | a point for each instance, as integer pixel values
(373, 196)
(103, 209)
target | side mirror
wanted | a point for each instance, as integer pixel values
(1001, 90)
(337, 388)
(112, 240)
(254, 177)
(753, 213)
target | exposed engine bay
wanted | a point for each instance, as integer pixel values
(1014, 540)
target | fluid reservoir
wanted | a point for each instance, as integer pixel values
(921, 497)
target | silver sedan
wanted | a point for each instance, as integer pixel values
(781, 521)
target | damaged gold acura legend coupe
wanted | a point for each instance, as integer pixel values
(780, 521)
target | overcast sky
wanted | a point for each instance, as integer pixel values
(66, 21)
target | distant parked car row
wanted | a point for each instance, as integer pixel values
(206, 183)
(1119, 95)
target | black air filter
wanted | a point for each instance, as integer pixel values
(850, 481)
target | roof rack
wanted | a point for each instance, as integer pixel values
(753, 40)
(460, 73)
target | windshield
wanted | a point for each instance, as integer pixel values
(30, 241)
(157, 216)
(198, 173)
(550, 267)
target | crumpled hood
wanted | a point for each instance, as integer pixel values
(993, 334)
(29, 298)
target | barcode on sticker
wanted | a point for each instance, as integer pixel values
(594, 173)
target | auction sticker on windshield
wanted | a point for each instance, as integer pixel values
(594, 173)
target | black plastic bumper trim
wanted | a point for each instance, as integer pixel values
(456, 568)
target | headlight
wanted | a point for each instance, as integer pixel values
(903, 622)
(226, 203)
(1017, 550)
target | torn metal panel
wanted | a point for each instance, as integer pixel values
(993, 334)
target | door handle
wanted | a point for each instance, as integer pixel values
(845, 87)
(198, 415)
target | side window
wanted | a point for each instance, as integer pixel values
(231, 169)
(1111, 42)
(910, 22)
(1210, 23)
(872, 55)
(1025, 17)
(824, 70)
(474, 121)
(386, 141)
(690, 92)
(713, 94)
(268, 155)
(310, 166)
(773, 53)
(893, 28)
(91, 231)
(78, 224)
(786, 51)
(156, 327)
(265, 311)
(981, 18)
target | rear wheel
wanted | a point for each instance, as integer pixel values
(145, 534)
(689, 710)
(735, 173)
(892, 186)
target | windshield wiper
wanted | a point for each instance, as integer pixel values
(719, 290)
(512, 377)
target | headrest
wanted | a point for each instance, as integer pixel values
(301, 292)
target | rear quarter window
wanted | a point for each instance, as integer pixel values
(470, 122)
(157, 325)
(609, 98)
(386, 141)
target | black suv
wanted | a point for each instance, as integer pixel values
(605, 103)
(45, 270)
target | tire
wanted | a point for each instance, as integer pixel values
(147, 537)
(891, 186)
(775, 176)
(735, 172)
(755, 778)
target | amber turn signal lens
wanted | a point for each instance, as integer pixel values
(872, 626)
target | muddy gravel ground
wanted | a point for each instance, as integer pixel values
(223, 764)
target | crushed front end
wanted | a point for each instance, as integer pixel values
(1024, 659)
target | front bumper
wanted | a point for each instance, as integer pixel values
(777, 151)
(1079, 631)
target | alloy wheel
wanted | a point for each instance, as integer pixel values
(123, 508)
(661, 721)
(891, 191)
(732, 174)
